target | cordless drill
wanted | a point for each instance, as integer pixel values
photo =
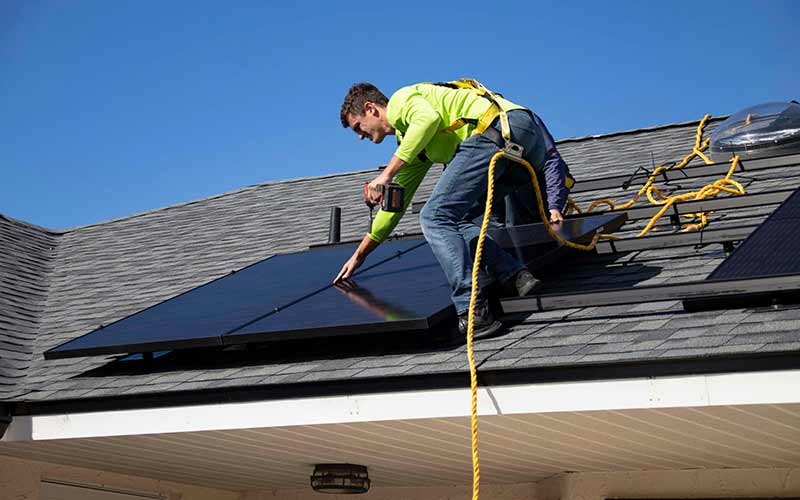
(392, 198)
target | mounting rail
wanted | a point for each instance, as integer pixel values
(772, 287)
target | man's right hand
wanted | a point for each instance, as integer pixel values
(349, 267)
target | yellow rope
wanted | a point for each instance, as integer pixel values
(473, 373)
(656, 197)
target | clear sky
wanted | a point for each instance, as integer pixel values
(109, 108)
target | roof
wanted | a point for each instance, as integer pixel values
(65, 284)
(25, 265)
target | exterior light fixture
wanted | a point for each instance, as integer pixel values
(340, 478)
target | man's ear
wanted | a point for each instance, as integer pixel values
(370, 108)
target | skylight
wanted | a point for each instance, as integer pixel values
(758, 131)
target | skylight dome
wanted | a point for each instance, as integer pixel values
(763, 130)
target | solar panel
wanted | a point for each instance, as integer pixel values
(409, 292)
(578, 229)
(532, 244)
(199, 317)
(771, 250)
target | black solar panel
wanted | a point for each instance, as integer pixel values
(200, 317)
(579, 229)
(773, 249)
(532, 244)
(406, 293)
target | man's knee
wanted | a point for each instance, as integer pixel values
(426, 218)
(433, 217)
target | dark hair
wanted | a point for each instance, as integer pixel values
(357, 96)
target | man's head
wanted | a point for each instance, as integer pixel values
(364, 111)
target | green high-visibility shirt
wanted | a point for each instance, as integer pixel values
(419, 114)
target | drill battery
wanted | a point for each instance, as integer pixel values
(392, 197)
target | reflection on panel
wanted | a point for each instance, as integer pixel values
(405, 293)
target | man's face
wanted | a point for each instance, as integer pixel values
(371, 124)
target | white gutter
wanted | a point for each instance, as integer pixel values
(775, 387)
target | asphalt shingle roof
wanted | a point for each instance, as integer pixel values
(58, 286)
(25, 265)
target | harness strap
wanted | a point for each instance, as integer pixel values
(482, 123)
(496, 137)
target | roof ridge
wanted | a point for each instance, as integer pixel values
(218, 195)
(639, 130)
(13, 220)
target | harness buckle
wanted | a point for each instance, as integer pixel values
(512, 149)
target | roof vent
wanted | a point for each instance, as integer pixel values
(768, 129)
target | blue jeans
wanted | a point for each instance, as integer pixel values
(459, 197)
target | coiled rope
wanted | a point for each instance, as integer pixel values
(656, 197)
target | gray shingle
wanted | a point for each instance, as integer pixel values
(757, 338)
(715, 351)
(620, 347)
(696, 342)
(298, 368)
(555, 341)
(329, 375)
(433, 358)
(712, 330)
(382, 361)
(782, 346)
(768, 326)
(385, 371)
(545, 352)
(449, 367)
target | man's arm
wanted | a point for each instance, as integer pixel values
(410, 177)
(555, 171)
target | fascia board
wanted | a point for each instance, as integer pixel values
(775, 387)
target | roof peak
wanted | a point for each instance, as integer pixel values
(638, 130)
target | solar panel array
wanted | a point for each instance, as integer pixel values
(291, 292)
(401, 287)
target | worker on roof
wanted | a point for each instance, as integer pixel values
(437, 123)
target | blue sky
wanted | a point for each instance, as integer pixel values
(109, 108)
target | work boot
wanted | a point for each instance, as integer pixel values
(485, 324)
(525, 283)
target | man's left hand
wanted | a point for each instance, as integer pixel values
(349, 267)
(556, 216)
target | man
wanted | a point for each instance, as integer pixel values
(425, 118)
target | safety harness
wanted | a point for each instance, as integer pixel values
(483, 125)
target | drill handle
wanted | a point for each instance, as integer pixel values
(370, 204)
